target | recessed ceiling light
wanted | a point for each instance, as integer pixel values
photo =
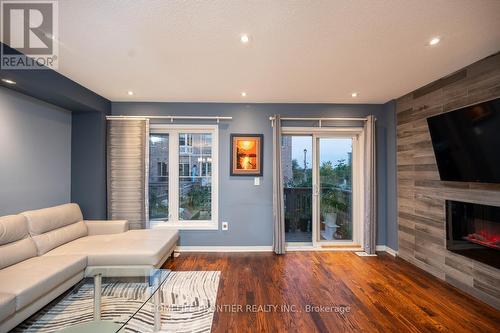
(434, 41)
(244, 38)
(8, 81)
(243, 94)
(130, 92)
(354, 94)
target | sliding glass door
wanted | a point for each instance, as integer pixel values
(321, 187)
(296, 154)
(334, 193)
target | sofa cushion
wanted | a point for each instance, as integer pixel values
(7, 305)
(58, 237)
(43, 220)
(104, 227)
(32, 278)
(12, 228)
(137, 247)
(13, 253)
(15, 243)
(54, 226)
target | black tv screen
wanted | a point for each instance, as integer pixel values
(466, 143)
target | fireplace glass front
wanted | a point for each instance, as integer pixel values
(473, 230)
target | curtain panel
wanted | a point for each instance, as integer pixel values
(127, 164)
(278, 205)
(370, 188)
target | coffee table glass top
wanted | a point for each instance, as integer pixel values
(110, 300)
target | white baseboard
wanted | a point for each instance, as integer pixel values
(384, 248)
(257, 249)
(224, 249)
(364, 254)
(320, 249)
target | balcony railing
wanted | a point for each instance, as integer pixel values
(298, 207)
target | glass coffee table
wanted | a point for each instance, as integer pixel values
(110, 300)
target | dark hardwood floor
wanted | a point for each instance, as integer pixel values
(383, 294)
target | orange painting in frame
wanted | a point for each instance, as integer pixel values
(246, 154)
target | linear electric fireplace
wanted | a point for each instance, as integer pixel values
(473, 231)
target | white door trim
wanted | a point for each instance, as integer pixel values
(356, 133)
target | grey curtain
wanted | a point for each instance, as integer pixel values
(278, 206)
(127, 153)
(370, 190)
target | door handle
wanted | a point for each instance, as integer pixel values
(315, 190)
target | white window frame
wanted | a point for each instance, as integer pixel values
(173, 221)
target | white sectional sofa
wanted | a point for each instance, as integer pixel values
(44, 252)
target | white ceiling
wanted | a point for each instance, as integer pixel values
(300, 51)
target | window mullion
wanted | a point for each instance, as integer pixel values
(215, 176)
(173, 189)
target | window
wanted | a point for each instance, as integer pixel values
(183, 188)
(195, 185)
(162, 169)
(184, 169)
(158, 176)
(206, 167)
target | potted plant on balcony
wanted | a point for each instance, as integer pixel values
(331, 205)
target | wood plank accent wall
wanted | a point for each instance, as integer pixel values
(421, 195)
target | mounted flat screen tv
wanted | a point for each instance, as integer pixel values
(466, 143)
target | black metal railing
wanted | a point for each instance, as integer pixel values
(298, 207)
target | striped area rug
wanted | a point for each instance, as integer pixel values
(187, 303)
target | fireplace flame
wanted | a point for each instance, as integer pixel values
(483, 238)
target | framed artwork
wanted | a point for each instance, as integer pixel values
(247, 154)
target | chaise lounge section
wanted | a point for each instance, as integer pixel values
(44, 252)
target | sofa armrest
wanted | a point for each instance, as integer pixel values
(106, 227)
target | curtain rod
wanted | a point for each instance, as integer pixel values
(322, 119)
(319, 120)
(172, 118)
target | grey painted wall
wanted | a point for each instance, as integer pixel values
(35, 153)
(391, 203)
(88, 163)
(248, 208)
